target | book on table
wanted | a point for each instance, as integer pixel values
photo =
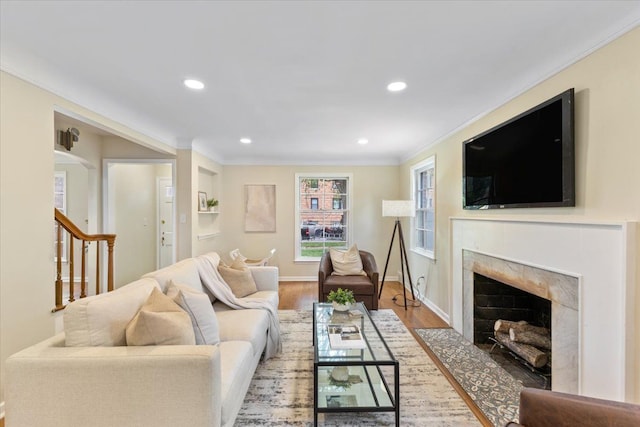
(345, 336)
(342, 401)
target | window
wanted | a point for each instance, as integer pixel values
(322, 214)
(423, 225)
(60, 203)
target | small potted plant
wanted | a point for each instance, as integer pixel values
(341, 299)
(212, 203)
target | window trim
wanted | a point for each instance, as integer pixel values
(422, 166)
(297, 237)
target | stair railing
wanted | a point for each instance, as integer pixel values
(74, 233)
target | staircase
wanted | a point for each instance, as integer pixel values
(64, 225)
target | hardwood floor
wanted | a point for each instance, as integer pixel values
(302, 295)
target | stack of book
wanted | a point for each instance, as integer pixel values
(345, 336)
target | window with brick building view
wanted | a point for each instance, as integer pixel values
(323, 214)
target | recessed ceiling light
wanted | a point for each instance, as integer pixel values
(363, 141)
(193, 84)
(245, 140)
(396, 86)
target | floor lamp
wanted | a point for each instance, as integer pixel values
(398, 209)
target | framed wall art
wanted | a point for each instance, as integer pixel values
(260, 208)
(202, 201)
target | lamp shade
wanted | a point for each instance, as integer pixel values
(398, 208)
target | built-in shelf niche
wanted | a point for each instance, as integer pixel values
(208, 224)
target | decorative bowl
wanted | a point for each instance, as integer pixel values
(341, 307)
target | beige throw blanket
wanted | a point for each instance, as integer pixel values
(211, 278)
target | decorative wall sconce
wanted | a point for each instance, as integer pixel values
(68, 137)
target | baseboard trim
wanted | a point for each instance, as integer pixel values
(437, 310)
(315, 279)
(432, 306)
(298, 278)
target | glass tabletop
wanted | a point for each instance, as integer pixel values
(373, 349)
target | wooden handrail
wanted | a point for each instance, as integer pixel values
(75, 233)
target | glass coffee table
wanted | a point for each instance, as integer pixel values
(364, 378)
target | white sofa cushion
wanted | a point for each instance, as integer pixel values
(184, 272)
(235, 362)
(244, 325)
(199, 308)
(101, 320)
(160, 321)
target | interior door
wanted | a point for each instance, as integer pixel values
(165, 223)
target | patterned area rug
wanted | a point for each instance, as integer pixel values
(492, 388)
(282, 387)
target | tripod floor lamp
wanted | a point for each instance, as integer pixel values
(398, 209)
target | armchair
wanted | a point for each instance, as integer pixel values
(543, 408)
(365, 288)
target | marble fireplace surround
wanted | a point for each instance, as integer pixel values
(592, 292)
(560, 289)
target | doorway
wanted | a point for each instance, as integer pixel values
(138, 198)
(165, 201)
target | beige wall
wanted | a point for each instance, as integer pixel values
(607, 129)
(196, 173)
(26, 199)
(370, 231)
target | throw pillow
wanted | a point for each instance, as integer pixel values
(101, 320)
(346, 263)
(239, 279)
(199, 309)
(160, 321)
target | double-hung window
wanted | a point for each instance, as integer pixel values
(323, 214)
(424, 194)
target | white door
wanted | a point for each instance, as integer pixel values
(165, 222)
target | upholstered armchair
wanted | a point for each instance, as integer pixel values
(364, 287)
(543, 408)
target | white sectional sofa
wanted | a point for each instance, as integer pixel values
(99, 381)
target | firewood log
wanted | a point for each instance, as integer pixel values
(531, 338)
(532, 355)
(504, 326)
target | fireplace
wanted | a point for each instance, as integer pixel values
(561, 292)
(495, 301)
(587, 271)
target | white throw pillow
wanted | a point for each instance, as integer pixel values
(101, 320)
(160, 321)
(199, 308)
(346, 263)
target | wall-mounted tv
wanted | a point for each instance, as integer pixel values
(525, 162)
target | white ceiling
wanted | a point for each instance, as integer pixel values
(304, 80)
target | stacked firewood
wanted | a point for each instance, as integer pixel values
(532, 343)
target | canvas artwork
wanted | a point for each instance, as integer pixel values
(260, 208)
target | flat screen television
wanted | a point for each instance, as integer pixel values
(525, 162)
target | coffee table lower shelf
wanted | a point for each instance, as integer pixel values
(366, 391)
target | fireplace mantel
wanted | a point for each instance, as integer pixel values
(600, 254)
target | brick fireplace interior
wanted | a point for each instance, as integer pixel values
(494, 300)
